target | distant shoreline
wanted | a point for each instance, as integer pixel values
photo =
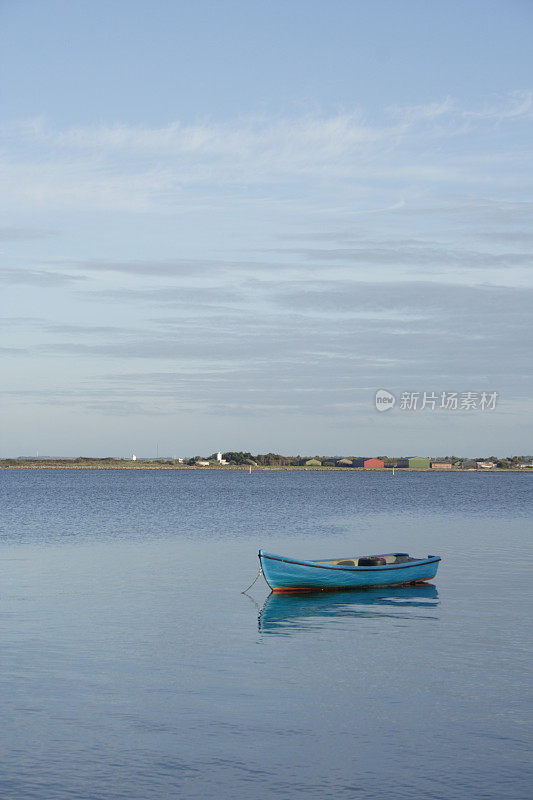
(244, 468)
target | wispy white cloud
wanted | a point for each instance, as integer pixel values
(142, 168)
(520, 106)
(328, 136)
(41, 181)
(325, 136)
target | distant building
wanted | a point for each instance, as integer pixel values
(414, 462)
(313, 462)
(374, 463)
(369, 463)
(441, 465)
(485, 464)
(345, 462)
(202, 463)
(134, 457)
(468, 464)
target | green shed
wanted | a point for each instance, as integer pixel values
(417, 462)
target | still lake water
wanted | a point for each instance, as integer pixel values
(133, 667)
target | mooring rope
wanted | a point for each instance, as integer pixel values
(254, 580)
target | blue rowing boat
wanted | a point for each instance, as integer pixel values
(358, 572)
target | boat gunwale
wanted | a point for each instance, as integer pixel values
(417, 563)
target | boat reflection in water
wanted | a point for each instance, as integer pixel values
(282, 613)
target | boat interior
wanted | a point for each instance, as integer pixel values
(370, 561)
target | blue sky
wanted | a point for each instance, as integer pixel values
(226, 225)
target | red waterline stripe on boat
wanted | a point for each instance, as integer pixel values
(302, 589)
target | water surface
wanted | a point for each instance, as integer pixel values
(133, 667)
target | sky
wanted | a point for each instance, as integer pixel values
(227, 225)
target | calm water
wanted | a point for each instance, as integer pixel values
(132, 667)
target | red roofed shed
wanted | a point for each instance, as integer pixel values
(374, 463)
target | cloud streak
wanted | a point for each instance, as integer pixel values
(413, 255)
(322, 136)
(13, 234)
(105, 166)
(38, 277)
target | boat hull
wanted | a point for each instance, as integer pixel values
(291, 575)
